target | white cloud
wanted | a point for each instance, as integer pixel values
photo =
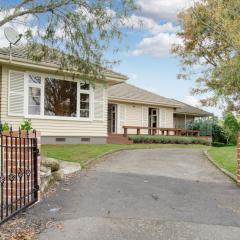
(157, 46)
(140, 22)
(161, 36)
(163, 9)
(133, 76)
(193, 101)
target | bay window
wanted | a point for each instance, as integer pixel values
(56, 98)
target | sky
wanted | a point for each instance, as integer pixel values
(148, 62)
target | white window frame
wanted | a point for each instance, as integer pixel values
(91, 99)
(42, 86)
(35, 85)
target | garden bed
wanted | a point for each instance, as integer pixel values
(168, 140)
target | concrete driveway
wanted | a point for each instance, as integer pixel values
(145, 195)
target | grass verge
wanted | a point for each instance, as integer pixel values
(225, 157)
(85, 153)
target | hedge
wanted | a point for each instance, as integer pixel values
(168, 139)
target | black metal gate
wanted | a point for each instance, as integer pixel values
(19, 172)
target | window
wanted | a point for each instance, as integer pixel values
(84, 100)
(85, 86)
(34, 100)
(34, 95)
(60, 98)
(84, 105)
(34, 79)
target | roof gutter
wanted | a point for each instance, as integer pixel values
(196, 114)
(143, 102)
(53, 68)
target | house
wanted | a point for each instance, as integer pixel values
(63, 109)
(129, 105)
(69, 110)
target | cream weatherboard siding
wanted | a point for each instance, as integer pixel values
(55, 127)
(166, 118)
(137, 115)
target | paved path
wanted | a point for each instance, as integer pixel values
(154, 194)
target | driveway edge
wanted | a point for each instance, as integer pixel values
(226, 172)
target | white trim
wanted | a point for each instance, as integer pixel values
(41, 86)
(119, 120)
(78, 100)
(21, 62)
(58, 118)
(9, 91)
(142, 102)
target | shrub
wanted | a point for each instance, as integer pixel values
(5, 127)
(168, 139)
(218, 134)
(26, 125)
(231, 128)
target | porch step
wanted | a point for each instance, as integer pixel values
(118, 139)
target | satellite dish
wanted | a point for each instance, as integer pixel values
(12, 35)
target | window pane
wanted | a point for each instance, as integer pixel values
(84, 113)
(34, 101)
(33, 91)
(34, 79)
(84, 105)
(60, 98)
(34, 110)
(85, 86)
(84, 97)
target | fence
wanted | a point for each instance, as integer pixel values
(19, 179)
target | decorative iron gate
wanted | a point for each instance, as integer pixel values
(19, 172)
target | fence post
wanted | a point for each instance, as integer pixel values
(238, 160)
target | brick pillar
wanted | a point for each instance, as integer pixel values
(19, 168)
(238, 160)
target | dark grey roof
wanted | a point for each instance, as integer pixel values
(128, 92)
(188, 109)
(21, 52)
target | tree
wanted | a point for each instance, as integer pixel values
(211, 41)
(231, 128)
(80, 30)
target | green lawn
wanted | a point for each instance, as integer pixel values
(85, 153)
(225, 157)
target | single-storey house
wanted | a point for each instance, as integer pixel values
(129, 105)
(69, 110)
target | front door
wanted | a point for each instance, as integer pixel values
(112, 118)
(153, 120)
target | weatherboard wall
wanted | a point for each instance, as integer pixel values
(137, 115)
(52, 127)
